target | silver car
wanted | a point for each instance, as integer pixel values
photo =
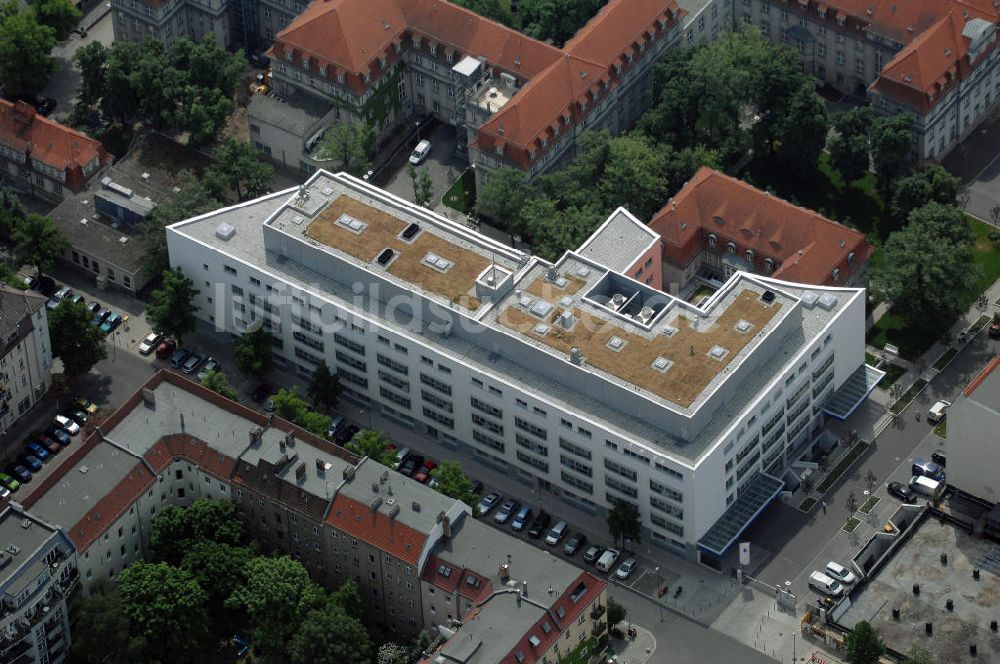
(67, 425)
(506, 511)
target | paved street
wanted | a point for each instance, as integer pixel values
(442, 165)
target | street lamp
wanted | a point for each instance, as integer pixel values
(418, 130)
(659, 584)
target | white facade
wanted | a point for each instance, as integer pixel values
(26, 363)
(973, 420)
(517, 405)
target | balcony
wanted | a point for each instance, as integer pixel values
(599, 629)
(597, 612)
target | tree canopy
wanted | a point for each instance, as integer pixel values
(60, 15)
(25, 53)
(927, 266)
(328, 635)
(254, 353)
(349, 145)
(101, 634)
(930, 184)
(623, 522)
(863, 645)
(324, 388)
(193, 197)
(75, 340)
(171, 310)
(374, 444)
(176, 529)
(38, 241)
(289, 406)
(239, 167)
(218, 383)
(502, 198)
(545, 20)
(891, 144)
(452, 481)
(849, 147)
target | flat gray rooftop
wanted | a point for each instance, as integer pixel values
(919, 561)
(987, 392)
(295, 114)
(619, 242)
(492, 632)
(27, 540)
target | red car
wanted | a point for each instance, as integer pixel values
(166, 349)
(423, 475)
(995, 330)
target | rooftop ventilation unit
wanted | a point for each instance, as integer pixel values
(583, 272)
(436, 262)
(508, 79)
(768, 296)
(669, 331)
(386, 256)
(541, 329)
(616, 343)
(411, 231)
(566, 319)
(298, 219)
(541, 308)
(718, 352)
(225, 231)
(351, 224)
(617, 301)
(743, 326)
(827, 301)
(575, 355)
(661, 364)
(645, 315)
(327, 191)
(809, 298)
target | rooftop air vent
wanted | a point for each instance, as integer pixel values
(768, 296)
(717, 352)
(661, 364)
(809, 298)
(384, 257)
(617, 301)
(645, 315)
(350, 223)
(616, 343)
(575, 355)
(743, 326)
(566, 319)
(411, 231)
(327, 191)
(541, 308)
(298, 219)
(827, 301)
(583, 272)
(434, 261)
(225, 231)
(541, 329)
(669, 331)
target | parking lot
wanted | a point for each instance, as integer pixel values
(442, 164)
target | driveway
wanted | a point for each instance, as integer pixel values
(64, 83)
(443, 165)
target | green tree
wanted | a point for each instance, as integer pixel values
(176, 529)
(453, 482)
(208, 65)
(91, 61)
(25, 54)
(324, 388)
(289, 406)
(349, 145)
(916, 655)
(193, 197)
(804, 130)
(220, 569)
(38, 241)
(277, 597)
(253, 352)
(553, 231)
(929, 184)
(927, 267)
(623, 522)
(849, 147)
(171, 310)
(11, 212)
(423, 186)
(393, 653)
(217, 382)
(616, 612)
(863, 645)
(892, 142)
(635, 175)
(555, 20)
(101, 633)
(330, 636)
(238, 165)
(348, 597)
(60, 15)
(165, 606)
(374, 444)
(12, 279)
(78, 343)
(502, 198)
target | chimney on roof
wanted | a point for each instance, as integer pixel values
(281, 445)
(348, 473)
(524, 588)
(290, 438)
(300, 472)
(504, 572)
(445, 522)
(320, 467)
(376, 503)
(182, 422)
(255, 433)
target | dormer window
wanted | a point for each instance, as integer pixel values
(769, 264)
(289, 55)
(731, 247)
(712, 239)
(449, 57)
(340, 77)
(322, 71)
(434, 49)
(749, 255)
(499, 148)
(850, 258)
(836, 274)
(382, 61)
(305, 62)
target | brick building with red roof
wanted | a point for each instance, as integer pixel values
(717, 224)
(43, 156)
(516, 102)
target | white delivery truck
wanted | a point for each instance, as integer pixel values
(925, 486)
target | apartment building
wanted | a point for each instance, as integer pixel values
(43, 157)
(717, 225)
(168, 20)
(516, 102)
(972, 426)
(37, 574)
(573, 376)
(26, 354)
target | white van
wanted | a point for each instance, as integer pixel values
(420, 152)
(607, 560)
(825, 584)
(925, 486)
(938, 411)
(556, 533)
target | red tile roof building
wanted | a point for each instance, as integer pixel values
(722, 224)
(44, 156)
(522, 108)
(930, 58)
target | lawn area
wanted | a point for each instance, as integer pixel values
(986, 255)
(892, 374)
(891, 328)
(945, 358)
(941, 430)
(462, 195)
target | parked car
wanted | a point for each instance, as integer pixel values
(191, 363)
(111, 323)
(901, 491)
(939, 457)
(592, 553)
(22, 474)
(67, 425)
(99, 317)
(423, 474)
(607, 560)
(574, 544)
(938, 411)
(539, 525)
(556, 533)
(927, 469)
(521, 519)
(149, 343)
(840, 573)
(57, 297)
(995, 330)
(211, 364)
(94, 307)
(824, 584)
(77, 299)
(35, 449)
(179, 357)
(9, 482)
(401, 454)
(626, 568)
(410, 464)
(505, 511)
(335, 424)
(86, 405)
(346, 435)
(488, 502)
(78, 416)
(166, 349)
(57, 435)
(31, 461)
(4, 493)
(420, 152)
(51, 446)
